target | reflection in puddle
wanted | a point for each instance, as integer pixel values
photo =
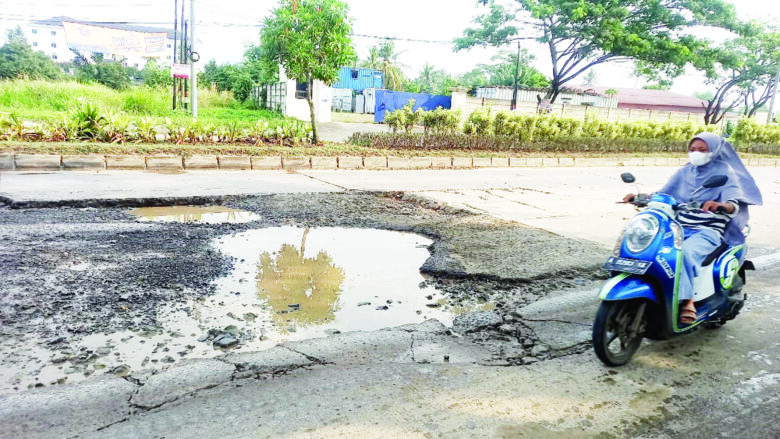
(300, 291)
(194, 214)
(287, 283)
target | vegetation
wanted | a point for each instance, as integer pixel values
(384, 58)
(311, 40)
(19, 60)
(583, 34)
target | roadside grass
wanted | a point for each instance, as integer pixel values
(328, 149)
(47, 101)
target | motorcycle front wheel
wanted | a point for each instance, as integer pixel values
(616, 334)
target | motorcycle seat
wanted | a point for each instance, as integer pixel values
(715, 254)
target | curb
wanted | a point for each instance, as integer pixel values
(54, 162)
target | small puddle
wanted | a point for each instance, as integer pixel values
(288, 283)
(194, 214)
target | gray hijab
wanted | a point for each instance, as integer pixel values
(740, 185)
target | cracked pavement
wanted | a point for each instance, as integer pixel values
(428, 381)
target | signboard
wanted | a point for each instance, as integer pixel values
(180, 71)
(92, 38)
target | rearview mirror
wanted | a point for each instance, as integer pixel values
(715, 181)
(627, 177)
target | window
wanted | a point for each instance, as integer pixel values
(169, 57)
(54, 32)
(54, 45)
(169, 46)
(35, 44)
(301, 89)
(35, 31)
(354, 73)
(54, 57)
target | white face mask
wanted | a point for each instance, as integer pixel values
(699, 158)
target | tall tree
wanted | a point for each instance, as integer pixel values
(582, 34)
(390, 66)
(310, 39)
(743, 74)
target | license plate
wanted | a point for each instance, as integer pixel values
(626, 265)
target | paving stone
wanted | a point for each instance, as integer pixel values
(6, 162)
(518, 162)
(296, 163)
(481, 162)
(566, 161)
(201, 162)
(374, 162)
(462, 162)
(350, 162)
(441, 162)
(398, 163)
(125, 162)
(324, 163)
(499, 162)
(550, 162)
(83, 162)
(37, 161)
(534, 162)
(163, 163)
(266, 163)
(235, 163)
(420, 162)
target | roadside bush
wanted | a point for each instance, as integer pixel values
(479, 122)
(441, 121)
(748, 131)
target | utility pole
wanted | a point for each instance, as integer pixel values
(193, 78)
(175, 38)
(774, 94)
(517, 73)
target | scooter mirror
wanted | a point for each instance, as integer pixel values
(627, 177)
(715, 181)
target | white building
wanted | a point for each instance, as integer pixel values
(135, 44)
(288, 97)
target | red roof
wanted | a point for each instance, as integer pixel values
(649, 99)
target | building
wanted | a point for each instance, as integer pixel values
(531, 95)
(135, 45)
(288, 97)
(359, 79)
(656, 100)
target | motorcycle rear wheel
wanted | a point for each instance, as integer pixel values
(614, 340)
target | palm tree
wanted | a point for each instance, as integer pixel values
(372, 62)
(389, 65)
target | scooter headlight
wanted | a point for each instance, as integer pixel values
(640, 232)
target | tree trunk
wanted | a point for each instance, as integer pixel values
(310, 101)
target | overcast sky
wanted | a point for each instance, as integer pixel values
(226, 26)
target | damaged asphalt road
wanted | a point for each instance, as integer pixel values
(72, 272)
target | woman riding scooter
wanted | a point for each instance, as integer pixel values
(720, 219)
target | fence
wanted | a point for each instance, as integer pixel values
(387, 100)
(272, 96)
(471, 103)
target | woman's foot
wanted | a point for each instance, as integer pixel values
(688, 313)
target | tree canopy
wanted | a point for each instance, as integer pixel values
(19, 60)
(311, 40)
(583, 33)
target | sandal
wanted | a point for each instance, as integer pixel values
(688, 314)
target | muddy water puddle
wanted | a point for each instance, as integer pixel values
(287, 283)
(194, 214)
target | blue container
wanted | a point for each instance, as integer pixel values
(359, 79)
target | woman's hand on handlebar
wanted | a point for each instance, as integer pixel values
(714, 206)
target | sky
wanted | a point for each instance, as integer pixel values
(225, 27)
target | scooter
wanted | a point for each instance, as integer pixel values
(640, 299)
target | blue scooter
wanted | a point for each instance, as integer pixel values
(640, 300)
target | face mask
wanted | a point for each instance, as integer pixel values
(699, 158)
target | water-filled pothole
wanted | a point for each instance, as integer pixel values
(194, 214)
(287, 283)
